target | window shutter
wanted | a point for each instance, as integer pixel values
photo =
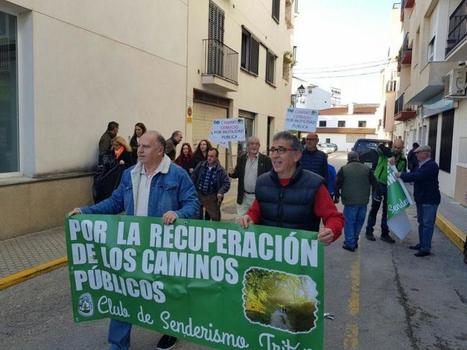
(254, 57)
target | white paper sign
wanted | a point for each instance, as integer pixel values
(301, 119)
(224, 131)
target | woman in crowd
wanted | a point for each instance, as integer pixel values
(122, 151)
(185, 159)
(140, 129)
(201, 152)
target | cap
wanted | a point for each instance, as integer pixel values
(352, 155)
(424, 148)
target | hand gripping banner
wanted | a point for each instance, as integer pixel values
(207, 282)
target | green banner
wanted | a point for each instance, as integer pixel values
(208, 282)
(398, 197)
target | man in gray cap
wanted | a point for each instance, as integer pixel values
(427, 197)
(353, 184)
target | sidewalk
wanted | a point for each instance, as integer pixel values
(25, 256)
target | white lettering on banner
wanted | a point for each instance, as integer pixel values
(83, 253)
(91, 231)
(280, 248)
(116, 258)
(105, 306)
(266, 342)
(144, 317)
(401, 204)
(133, 237)
(181, 264)
(98, 279)
(207, 333)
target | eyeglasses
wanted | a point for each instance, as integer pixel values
(280, 150)
(314, 139)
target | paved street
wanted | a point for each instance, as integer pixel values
(382, 297)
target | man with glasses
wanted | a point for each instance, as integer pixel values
(313, 159)
(290, 196)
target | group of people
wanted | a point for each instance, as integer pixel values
(282, 194)
(289, 188)
(355, 182)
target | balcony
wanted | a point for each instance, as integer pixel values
(405, 52)
(456, 46)
(220, 66)
(408, 4)
(429, 82)
(400, 113)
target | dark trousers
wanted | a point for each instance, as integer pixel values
(381, 196)
(210, 203)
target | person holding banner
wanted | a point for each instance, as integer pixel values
(212, 182)
(154, 187)
(427, 197)
(381, 194)
(289, 196)
(249, 166)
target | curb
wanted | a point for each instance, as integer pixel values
(24, 275)
(451, 231)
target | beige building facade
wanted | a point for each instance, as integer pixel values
(427, 110)
(68, 67)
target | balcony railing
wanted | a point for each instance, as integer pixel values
(401, 113)
(457, 26)
(406, 52)
(220, 60)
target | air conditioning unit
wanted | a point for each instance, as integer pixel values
(456, 83)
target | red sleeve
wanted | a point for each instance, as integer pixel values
(327, 211)
(254, 212)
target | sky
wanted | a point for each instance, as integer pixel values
(330, 34)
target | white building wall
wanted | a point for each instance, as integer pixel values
(253, 94)
(351, 121)
(94, 62)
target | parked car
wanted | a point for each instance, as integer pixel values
(333, 145)
(367, 150)
(325, 147)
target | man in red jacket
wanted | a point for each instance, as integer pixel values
(289, 196)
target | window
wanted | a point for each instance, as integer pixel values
(276, 8)
(341, 123)
(250, 52)
(362, 123)
(432, 132)
(9, 148)
(270, 65)
(249, 119)
(445, 151)
(322, 123)
(328, 140)
(431, 50)
(215, 57)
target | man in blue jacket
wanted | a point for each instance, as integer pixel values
(211, 182)
(153, 187)
(312, 158)
(427, 197)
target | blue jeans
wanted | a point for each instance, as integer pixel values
(119, 335)
(354, 219)
(426, 217)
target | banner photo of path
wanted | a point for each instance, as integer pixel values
(210, 283)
